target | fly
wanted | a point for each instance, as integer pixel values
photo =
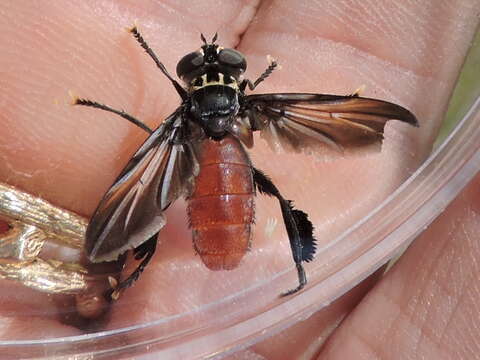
(198, 153)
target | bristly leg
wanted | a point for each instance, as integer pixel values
(299, 228)
(181, 91)
(271, 66)
(123, 114)
(144, 251)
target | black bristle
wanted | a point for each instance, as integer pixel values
(305, 230)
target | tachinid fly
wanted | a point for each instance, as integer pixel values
(198, 152)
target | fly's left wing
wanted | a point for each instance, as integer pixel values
(301, 122)
(132, 209)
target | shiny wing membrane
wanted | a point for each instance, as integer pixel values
(131, 211)
(299, 122)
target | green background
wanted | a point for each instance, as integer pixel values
(466, 91)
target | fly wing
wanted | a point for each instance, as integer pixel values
(131, 211)
(300, 122)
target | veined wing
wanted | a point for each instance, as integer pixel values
(131, 211)
(307, 121)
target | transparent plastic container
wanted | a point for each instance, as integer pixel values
(253, 314)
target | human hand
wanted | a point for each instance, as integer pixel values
(322, 47)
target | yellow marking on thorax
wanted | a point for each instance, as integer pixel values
(221, 81)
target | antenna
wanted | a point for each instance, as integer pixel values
(202, 37)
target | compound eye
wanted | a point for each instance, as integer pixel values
(189, 63)
(232, 58)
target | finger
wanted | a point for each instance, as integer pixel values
(398, 64)
(427, 306)
(398, 57)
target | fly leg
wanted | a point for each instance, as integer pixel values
(299, 228)
(181, 91)
(271, 66)
(144, 251)
(123, 114)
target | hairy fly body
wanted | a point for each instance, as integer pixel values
(198, 153)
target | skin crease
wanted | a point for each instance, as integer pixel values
(406, 54)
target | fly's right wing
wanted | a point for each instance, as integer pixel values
(131, 211)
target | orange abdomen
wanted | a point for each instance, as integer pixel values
(221, 207)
